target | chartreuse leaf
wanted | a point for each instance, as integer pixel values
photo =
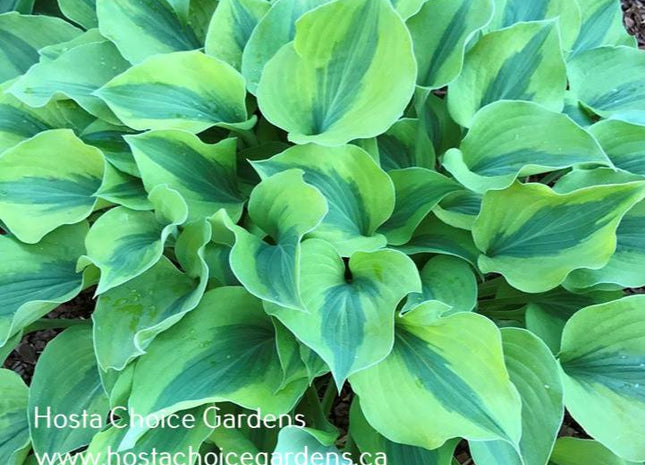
(623, 143)
(435, 236)
(405, 145)
(371, 442)
(444, 379)
(301, 446)
(602, 24)
(21, 36)
(142, 28)
(203, 174)
(275, 29)
(14, 426)
(535, 237)
(349, 320)
(218, 251)
(123, 189)
(109, 139)
(82, 12)
(51, 52)
(66, 382)
(433, 114)
(626, 268)
(182, 90)
(418, 191)
(124, 243)
(574, 451)
(231, 26)
(510, 12)
(227, 353)
(522, 62)
(459, 209)
(328, 85)
(285, 208)
(511, 139)
(42, 189)
(603, 362)
(359, 194)
(440, 32)
(75, 74)
(449, 280)
(609, 80)
(534, 372)
(128, 317)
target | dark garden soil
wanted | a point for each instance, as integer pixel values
(24, 358)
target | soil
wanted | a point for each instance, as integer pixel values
(635, 19)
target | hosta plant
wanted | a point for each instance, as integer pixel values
(436, 208)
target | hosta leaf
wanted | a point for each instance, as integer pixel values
(75, 74)
(418, 191)
(297, 442)
(123, 189)
(141, 28)
(231, 27)
(443, 379)
(67, 381)
(602, 24)
(41, 189)
(603, 361)
(522, 62)
(124, 243)
(510, 12)
(433, 114)
(535, 237)
(285, 208)
(51, 52)
(534, 372)
(82, 12)
(349, 320)
(37, 278)
(370, 441)
(328, 85)
(574, 451)
(203, 174)
(21, 6)
(449, 280)
(182, 90)
(217, 252)
(623, 143)
(21, 36)
(14, 426)
(440, 32)
(511, 139)
(435, 236)
(405, 145)
(601, 81)
(228, 353)
(459, 209)
(359, 194)
(110, 139)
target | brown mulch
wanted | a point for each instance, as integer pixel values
(635, 19)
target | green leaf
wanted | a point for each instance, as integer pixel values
(298, 446)
(66, 382)
(41, 189)
(459, 209)
(603, 362)
(75, 74)
(230, 28)
(51, 52)
(609, 80)
(370, 441)
(535, 236)
(124, 243)
(574, 451)
(443, 379)
(123, 189)
(21, 6)
(14, 426)
(21, 36)
(602, 24)
(35, 279)
(359, 194)
(142, 28)
(226, 355)
(440, 33)
(349, 317)
(203, 174)
(433, 114)
(405, 145)
(623, 144)
(182, 90)
(110, 140)
(328, 85)
(285, 208)
(534, 372)
(522, 62)
(516, 139)
(82, 12)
